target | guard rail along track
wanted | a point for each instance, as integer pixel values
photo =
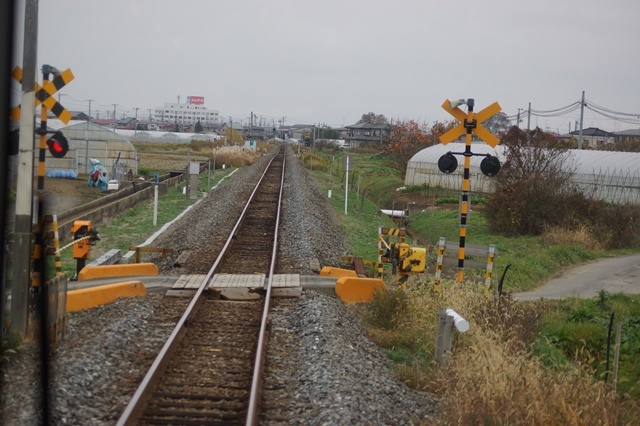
(210, 369)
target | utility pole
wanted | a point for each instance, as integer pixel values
(21, 283)
(518, 119)
(529, 118)
(86, 152)
(114, 116)
(251, 127)
(581, 121)
(135, 131)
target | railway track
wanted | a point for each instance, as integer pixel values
(210, 369)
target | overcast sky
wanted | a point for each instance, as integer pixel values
(331, 61)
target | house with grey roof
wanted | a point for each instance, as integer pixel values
(361, 134)
(593, 137)
(631, 135)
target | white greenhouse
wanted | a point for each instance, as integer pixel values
(607, 175)
(91, 141)
(156, 136)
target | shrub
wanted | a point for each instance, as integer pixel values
(581, 236)
(198, 146)
(388, 309)
(234, 156)
(533, 192)
(144, 171)
(616, 226)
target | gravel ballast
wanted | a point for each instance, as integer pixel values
(320, 367)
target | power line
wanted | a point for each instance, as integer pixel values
(577, 103)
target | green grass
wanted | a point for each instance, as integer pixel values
(373, 172)
(360, 225)
(576, 330)
(135, 225)
(532, 262)
(571, 330)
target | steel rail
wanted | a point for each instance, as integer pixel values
(258, 370)
(136, 405)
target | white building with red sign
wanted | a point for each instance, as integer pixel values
(186, 114)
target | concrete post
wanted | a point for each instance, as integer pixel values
(444, 338)
(447, 319)
(194, 172)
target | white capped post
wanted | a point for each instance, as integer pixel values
(155, 204)
(347, 169)
(447, 319)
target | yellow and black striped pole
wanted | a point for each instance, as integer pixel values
(56, 243)
(43, 135)
(469, 124)
(439, 262)
(38, 258)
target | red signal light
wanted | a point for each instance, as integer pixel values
(58, 145)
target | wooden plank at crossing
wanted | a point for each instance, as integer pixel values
(237, 281)
(194, 282)
(181, 282)
(285, 280)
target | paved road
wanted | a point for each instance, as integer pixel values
(614, 275)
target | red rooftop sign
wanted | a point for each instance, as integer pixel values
(195, 100)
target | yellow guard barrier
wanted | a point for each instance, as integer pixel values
(125, 270)
(358, 290)
(90, 297)
(329, 271)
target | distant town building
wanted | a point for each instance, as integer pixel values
(187, 114)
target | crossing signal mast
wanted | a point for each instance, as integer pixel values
(469, 124)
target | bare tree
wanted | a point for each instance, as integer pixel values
(533, 189)
(373, 118)
(498, 123)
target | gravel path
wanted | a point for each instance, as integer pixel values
(321, 369)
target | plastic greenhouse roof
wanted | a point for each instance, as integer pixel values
(77, 129)
(580, 161)
(433, 153)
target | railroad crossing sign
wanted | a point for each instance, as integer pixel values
(44, 94)
(469, 123)
(474, 123)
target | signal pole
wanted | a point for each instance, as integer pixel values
(469, 125)
(86, 152)
(114, 116)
